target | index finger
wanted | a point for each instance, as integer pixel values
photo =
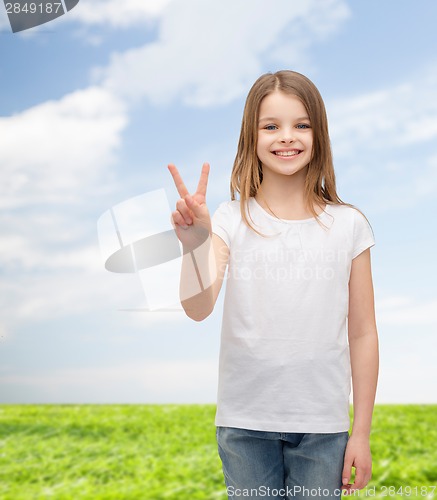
(203, 181)
(179, 183)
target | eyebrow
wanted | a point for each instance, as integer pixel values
(272, 118)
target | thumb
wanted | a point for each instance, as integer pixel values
(347, 471)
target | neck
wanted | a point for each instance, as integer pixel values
(284, 195)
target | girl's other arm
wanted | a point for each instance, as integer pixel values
(363, 345)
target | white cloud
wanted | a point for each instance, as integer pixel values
(207, 53)
(3, 333)
(19, 251)
(118, 14)
(426, 183)
(34, 297)
(402, 310)
(407, 344)
(179, 381)
(388, 187)
(406, 377)
(53, 150)
(55, 158)
(107, 13)
(384, 143)
(397, 117)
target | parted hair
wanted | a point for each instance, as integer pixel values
(247, 175)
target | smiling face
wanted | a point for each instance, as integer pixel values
(285, 137)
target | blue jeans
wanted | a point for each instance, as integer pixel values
(275, 465)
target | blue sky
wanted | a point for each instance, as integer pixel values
(95, 104)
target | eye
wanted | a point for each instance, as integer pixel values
(303, 126)
(270, 127)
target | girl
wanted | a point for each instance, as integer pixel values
(298, 319)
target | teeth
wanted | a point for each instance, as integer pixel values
(286, 153)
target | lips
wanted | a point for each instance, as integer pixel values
(287, 153)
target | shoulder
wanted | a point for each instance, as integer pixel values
(230, 208)
(347, 213)
(226, 217)
(340, 209)
(350, 220)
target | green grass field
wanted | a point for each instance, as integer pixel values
(169, 452)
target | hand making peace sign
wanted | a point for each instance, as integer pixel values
(191, 218)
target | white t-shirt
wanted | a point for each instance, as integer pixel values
(284, 356)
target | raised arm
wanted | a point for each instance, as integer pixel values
(205, 255)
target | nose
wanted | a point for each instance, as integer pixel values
(287, 135)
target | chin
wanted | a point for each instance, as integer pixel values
(290, 171)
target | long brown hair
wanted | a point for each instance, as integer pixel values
(247, 173)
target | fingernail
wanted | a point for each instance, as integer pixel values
(183, 227)
(189, 221)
